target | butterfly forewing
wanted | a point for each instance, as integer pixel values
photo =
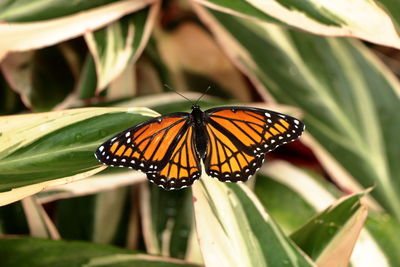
(239, 137)
(147, 146)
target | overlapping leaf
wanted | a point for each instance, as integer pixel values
(47, 147)
(296, 205)
(42, 27)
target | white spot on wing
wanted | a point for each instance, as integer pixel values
(101, 148)
(127, 134)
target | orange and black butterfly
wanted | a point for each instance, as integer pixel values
(230, 141)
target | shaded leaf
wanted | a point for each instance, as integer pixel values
(40, 252)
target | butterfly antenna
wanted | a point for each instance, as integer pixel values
(205, 92)
(166, 85)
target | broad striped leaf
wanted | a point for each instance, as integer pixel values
(38, 150)
(234, 229)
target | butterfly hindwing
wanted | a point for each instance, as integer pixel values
(182, 168)
(239, 137)
(146, 147)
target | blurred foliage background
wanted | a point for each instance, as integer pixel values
(74, 73)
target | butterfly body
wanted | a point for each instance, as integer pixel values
(230, 141)
(200, 136)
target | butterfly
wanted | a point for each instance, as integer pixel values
(230, 141)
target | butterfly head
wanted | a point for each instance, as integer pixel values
(197, 114)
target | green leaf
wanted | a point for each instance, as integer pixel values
(234, 230)
(360, 19)
(120, 43)
(331, 235)
(47, 147)
(87, 80)
(334, 82)
(40, 252)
